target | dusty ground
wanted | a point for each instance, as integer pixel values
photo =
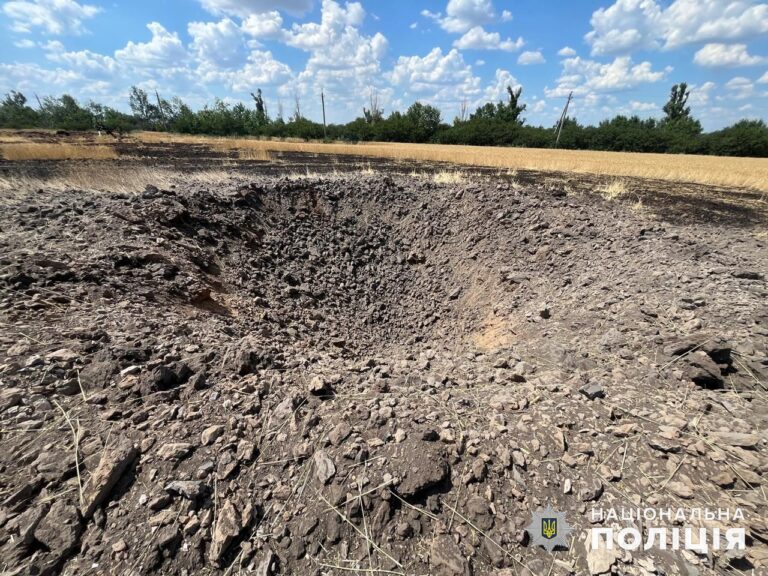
(368, 372)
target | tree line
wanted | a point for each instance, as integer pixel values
(492, 124)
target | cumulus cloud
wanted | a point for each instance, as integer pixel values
(497, 89)
(463, 15)
(629, 25)
(763, 79)
(343, 61)
(52, 16)
(164, 50)
(478, 39)
(566, 51)
(529, 57)
(217, 42)
(268, 25)
(740, 88)
(587, 77)
(247, 8)
(718, 55)
(440, 79)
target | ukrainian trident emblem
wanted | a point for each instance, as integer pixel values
(549, 529)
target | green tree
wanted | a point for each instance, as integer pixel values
(424, 121)
(260, 118)
(14, 112)
(676, 108)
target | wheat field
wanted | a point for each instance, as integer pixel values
(750, 173)
(714, 170)
(16, 151)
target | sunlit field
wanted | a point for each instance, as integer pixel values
(717, 170)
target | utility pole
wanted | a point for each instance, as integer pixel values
(562, 119)
(322, 100)
(160, 108)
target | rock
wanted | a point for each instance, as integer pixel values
(339, 433)
(229, 524)
(591, 491)
(246, 451)
(600, 559)
(680, 489)
(747, 274)
(420, 464)
(735, 439)
(504, 401)
(59, 532)
(446, 559)
(175, 451)
(592, 391)
(211, 434)
(725, 479)
(324, 466)
(189, 489)
(10, 397)
(113, 465)
(267, 564)
(318, 386)
(63, 355)
(27, 523)
(702, 370)
(663, 445)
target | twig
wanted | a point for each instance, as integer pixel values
(76, 438)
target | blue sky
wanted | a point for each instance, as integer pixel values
(617, 56)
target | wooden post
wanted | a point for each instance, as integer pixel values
(562, 119)
(322, 100)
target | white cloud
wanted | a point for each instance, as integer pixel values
(629, 25)
(529, 57)
(587, 77)
(624, 26)
(478, 39)
(260, 70)
(763, 79)
(539, 106)
(637, 106)
(217, 42)
(740, 88)
(726, 55)
(95, 65)
(463, 15)
(24, 43)
(700, 94)
(247, 8)
(441, 79)
(342, 61)
(164, 50)
(264, 25)
(497, 89)
(566, 51)
(53, 16)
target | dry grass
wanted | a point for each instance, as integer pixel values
(110, 178)
(55, 151)
(716, 170)
(614, 189)
(448, 177)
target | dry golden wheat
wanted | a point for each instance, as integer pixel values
(716, 170)
(56, 151)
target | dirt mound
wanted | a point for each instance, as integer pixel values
(368, 374)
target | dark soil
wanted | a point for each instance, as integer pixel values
(361, 374)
